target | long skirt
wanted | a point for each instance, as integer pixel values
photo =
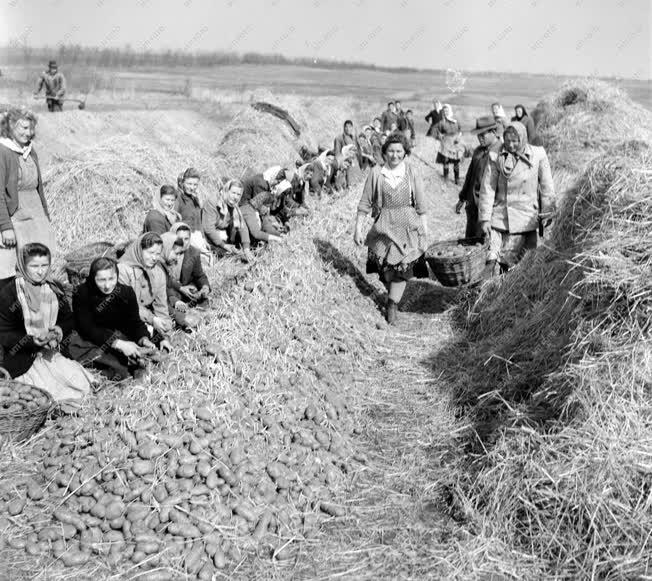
(65, 380)
(30, 225)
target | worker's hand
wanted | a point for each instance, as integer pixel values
(485, 226)
(181, 306)
(8, 238)
(128, 348)
(358, 237)
(41, 339)
(247, 256)
(274, 238)
(189, 291)
(165, 345)
(146, 343)
(162, 325)
(459, 206)
(204, 292)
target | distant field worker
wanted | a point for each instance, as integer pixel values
(162, 215)
(522, 117)
(517, 196)
(54, 84)
(24, 215)
(500, 118)
(224, 227)
(322, 169)
(434, 117)
(449, 134)
(389, 117)
(486, 131)
(408, 127)
(394, 195)
(341, 141)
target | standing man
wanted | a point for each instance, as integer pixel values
(341, 141)
(486, 132)
(408, 128)
(55, 87)
(388, 117)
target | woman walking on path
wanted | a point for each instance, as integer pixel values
(448, 133)
(24, 215)
(394, 195)
(434, 117)
(522, 117)
(517, 195)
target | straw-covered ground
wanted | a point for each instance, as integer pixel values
(498, 434)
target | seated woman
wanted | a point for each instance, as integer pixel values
(262, 182)
(35, 321)
(223, 224)
(187, 283)
(162, 215)
(256, 213)
(140, 268)
(322, 172)
(106, 316)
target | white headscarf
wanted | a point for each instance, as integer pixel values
(11, 144)
(271, 172)
(448, 117)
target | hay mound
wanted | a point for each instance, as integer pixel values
(561, 395)
(585, 118)
(105, 192)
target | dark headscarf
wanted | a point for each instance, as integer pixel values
(516, 117)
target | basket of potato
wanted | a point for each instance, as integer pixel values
(23, 408)
(457, 262)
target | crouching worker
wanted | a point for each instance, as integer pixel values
(263, 227)
(116, 341)
(35, 322)
(140, 269)
(224, 227)
(516, 196)
(187, 283)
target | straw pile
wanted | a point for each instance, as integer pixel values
(557, 373)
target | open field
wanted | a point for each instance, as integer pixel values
(305, 351)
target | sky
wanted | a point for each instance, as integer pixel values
(572, 37)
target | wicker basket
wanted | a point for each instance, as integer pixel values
(78, 261)
(18, 425)
(457, 270)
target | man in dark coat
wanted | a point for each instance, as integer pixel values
(388, 117)
(486, 131)
(55, 87)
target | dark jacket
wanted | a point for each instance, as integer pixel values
(340, 141)
(192, 272)
(190, 210)
(319, 178)
(473, 180)
(253, 185)
(529, 124)
(9, 168)
(101, 319)
(387, 118)
(18, 347)
(156, 222)
(433, 118)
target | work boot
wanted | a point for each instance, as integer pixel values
(445, 173)
(392, 312)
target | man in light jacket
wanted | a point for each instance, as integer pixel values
(55, 87)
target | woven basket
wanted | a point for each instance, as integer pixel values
(78, 262)
(455, 270)
(19, 424)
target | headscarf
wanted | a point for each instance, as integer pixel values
(172, 215)
(11, 144)
(175, 230)
(133, 257)
(322, 158)
(501, 112)
(225, 210)
(348, 151)
(516, 117)
(38, 300)
(507, 161)
(171, 262)
(449, 117)
(272, 173)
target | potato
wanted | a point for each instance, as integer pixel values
(16, 506)
(34, 491)
(114, 510)
(74, 558)
(187, 531)
(140, 468)
(331, 509)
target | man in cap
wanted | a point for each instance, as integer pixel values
(55, 87)
(486, 131)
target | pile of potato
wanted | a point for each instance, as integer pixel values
(18, 397)
(454, 250)
(185, 488)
